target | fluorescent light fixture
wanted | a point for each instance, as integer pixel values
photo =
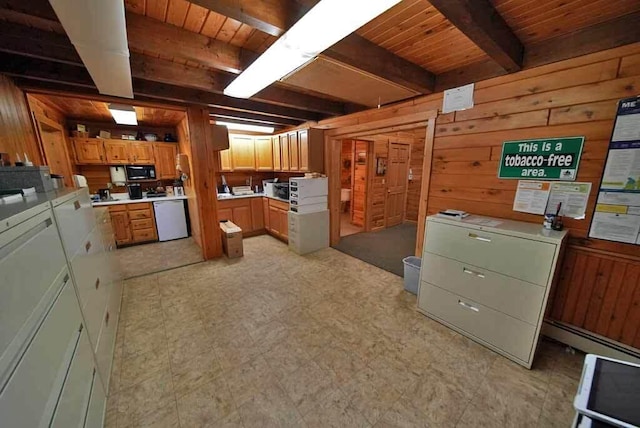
(324, 25)
(123, 114)
(247, 127)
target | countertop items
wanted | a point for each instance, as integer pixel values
(137, 201)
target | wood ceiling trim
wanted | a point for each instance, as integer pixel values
(481, 23)
(255, 117)
(277, 16)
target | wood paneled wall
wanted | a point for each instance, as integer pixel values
(598, 291)
(184, 147)
(346, 164)
(360, 187)
(377, 185)
(16, 129)
(414, 186)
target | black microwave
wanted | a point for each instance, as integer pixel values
(140, 172)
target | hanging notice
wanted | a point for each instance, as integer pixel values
(532, 197)
(617, 215)
(572, 196)
(460, 98)
(549, 159)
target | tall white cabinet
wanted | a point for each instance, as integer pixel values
(489, 279)
(59, 302)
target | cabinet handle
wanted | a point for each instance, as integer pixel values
(97, 283)
(471, 272)
(76, 205)
(479, 238)
(87, 246)
(468, 306)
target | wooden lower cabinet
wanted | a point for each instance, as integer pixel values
(246, 213)
(278, 222)
(133, 223)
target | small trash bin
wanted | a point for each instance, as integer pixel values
(412, 273)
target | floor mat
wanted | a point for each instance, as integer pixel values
(384, 248)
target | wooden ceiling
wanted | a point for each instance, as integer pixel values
(188, 51)
(98, 111)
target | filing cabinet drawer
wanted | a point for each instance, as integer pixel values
(88, 270)
(75, 219)
(142, 224)
(97, 404)
(525, 259)
(486, 325)
(514, 297)
(139, 214)
(104, 353)
(144, 235)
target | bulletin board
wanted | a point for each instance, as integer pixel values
(617, 214)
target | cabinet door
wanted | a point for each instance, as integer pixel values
(274, 221)
(294, 156)
(116, 152)
(141, 154)
(257, 217)
(242, 218)
(265, 213)
(121, 230)
(303, 148)
(225, 160)
(284, 152)
(277, 155)
(225, 214)
(165, 155)
(283, 223)
(89, 151)
(264, 154)
(243, 157)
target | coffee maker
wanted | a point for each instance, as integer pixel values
(135, 190)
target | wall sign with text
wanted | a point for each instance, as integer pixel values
(548, 158)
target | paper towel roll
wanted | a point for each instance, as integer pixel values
(80, 180)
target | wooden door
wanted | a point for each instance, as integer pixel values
(55, 151)
(265, 212)
(294, 152)
(284, 223)
(116, 152)
(243, 156)
(303, 150)
(141, 153)
(277, 159)
(284, 152)
(225, 214)
(89, 151)
(121, 229)
(397, 175)
(274, 220)
(242, 218)
(359, 182)
(225, 160)
(257, 217)
(165, 156)
(264, 154)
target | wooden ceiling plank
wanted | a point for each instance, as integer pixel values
(212, 25)
(157, 9)
(177, 12)
(481, 23)
(228, 30)
(196, 17)
(242, 35)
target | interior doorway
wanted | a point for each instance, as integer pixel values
(54, 147)
(397, 183)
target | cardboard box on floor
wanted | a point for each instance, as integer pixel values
(231, 239)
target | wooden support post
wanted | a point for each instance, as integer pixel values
(333, 149)
(426, 180)
(203, 170)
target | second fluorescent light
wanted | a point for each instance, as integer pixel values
(247, 127)
(324, 25)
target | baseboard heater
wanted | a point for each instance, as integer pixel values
(589, 342)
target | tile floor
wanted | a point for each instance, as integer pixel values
(324, 340)
(346, 227)
(144, 259)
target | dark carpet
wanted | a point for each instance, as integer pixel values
(384, 248)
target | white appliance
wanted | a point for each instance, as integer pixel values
(170, 219)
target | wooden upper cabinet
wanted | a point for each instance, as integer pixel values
(284, 152)
(141, 153)
(225, 160)
(165, 157)
(243, 157)
(89, 151)
(277, 153)
(294, 152)
(264, 154)
(116, 152)
(303, 150)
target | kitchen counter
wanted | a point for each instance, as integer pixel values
(254, 195)
(137, 201)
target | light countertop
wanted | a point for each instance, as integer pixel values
(253, 195)
(137, 201)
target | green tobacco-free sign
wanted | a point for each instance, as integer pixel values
(548, 159)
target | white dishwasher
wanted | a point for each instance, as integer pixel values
(171, 221)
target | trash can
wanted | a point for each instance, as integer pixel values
(412, 273)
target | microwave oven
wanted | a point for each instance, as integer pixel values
(140, 172)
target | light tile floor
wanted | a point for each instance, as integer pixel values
(324, 340)
(144, 259)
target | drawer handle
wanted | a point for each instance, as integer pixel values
(97, 283)
(76, 205)
(479, 238)
(471, 272)
(468, 306)
(87, 246)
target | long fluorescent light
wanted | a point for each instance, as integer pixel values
(247, 127)
(123, 115)
(324, 25)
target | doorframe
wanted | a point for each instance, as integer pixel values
(39, 120)
(335, 133)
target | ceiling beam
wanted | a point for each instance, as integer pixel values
(254, 117)
(354, 50)
(481, 22)
(22, 40)
(607, 35)
(37, 69)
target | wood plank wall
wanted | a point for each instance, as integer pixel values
(184, 147)
(17, 135)
(599, 289)
(414, 186)
(359, 195)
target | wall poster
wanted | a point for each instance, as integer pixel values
(617, 214)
